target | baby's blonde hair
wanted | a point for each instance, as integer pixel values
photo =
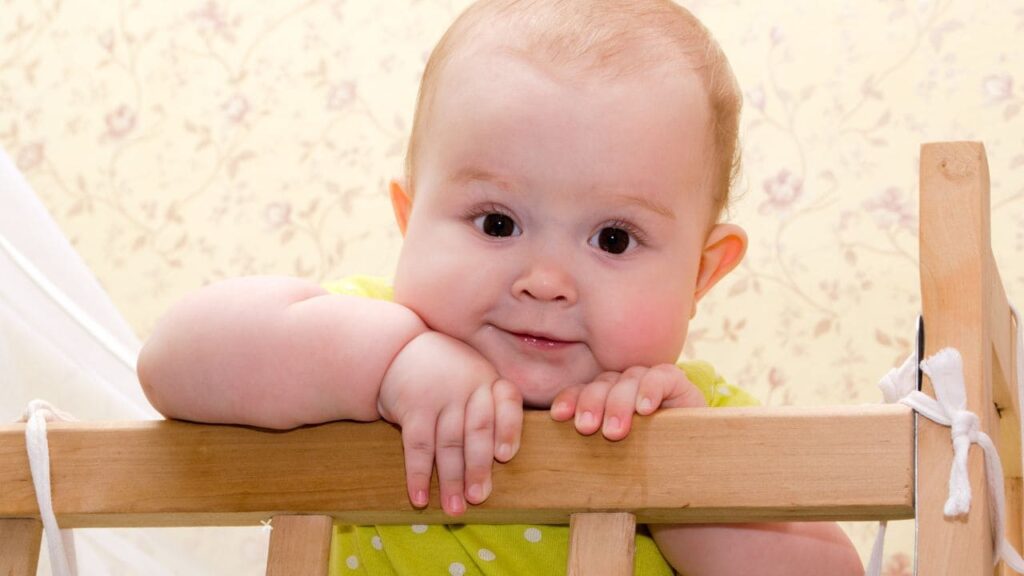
(615, 37)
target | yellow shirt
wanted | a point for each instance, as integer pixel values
(485, 550)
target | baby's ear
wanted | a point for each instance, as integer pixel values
(723, 250)
(401, 203)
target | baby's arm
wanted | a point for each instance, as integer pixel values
(273, 352)
(783, 549)
(282, 352)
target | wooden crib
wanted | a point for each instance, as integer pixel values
(866, 462)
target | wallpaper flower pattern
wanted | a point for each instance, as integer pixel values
(178, 143)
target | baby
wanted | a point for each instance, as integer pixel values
(568, 164)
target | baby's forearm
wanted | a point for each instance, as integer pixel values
(790, 549)
(273, 352)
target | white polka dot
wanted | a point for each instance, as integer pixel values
(532, 535)
(376, 543)
(352, 562)
(419, 528)
(456, 569)
(486, 555)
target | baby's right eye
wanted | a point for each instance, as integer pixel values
(497, 224)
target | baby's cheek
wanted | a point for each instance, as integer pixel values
(645, 333)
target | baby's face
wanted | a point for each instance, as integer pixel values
(558, 225)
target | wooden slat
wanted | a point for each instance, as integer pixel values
(741, 464)
(601, 543)
(299, 546)
(1014, 502)
(1004, 384)
(20, 539)
(955, 294)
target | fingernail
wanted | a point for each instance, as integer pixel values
(505, 451)
(420, 499)
(645, 405)
(475, 493)
(560, 408)
(613, 424)
(586, 420)
(455, 505)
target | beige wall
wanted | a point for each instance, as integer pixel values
(182, 142)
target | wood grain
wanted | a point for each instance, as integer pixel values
(299, 546)
(601, 543)
(20, 540)
(1002, 333)
(1014, 511)
(683, 465)
(955, 246)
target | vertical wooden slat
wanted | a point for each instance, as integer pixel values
(955, 246)
(299, 546)
(601, 543)
(1014, 483)
(1004, 372)
(1013, 520)
(20, 539)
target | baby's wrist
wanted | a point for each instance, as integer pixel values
(397, 365)
(426, 357)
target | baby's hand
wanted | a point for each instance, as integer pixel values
(609, 401)
(454, 410)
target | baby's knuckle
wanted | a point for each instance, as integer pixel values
(479, 422)
(453, 443)
(418, 476)
(418, 444)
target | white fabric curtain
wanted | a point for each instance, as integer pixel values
(85, 365)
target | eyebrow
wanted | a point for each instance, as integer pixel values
(474, 173)
(470, 174)
(648, 204)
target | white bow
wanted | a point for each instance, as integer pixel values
(949, 408)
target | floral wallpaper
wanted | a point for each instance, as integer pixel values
(178, 143)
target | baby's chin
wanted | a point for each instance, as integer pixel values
(539, 387)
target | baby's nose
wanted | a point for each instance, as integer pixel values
(546, 281)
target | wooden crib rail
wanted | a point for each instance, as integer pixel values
(695, 465)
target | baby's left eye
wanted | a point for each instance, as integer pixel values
(613, 240)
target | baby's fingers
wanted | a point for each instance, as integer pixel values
(479, 451)
(590, 405)
(450, 459)
(618, 411)
(508, 419)
(418, 444)
(563, 407)
(666, 386)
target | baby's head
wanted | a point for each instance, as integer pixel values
(568, 163)
(597, 40)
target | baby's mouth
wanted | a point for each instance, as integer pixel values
(540, 341)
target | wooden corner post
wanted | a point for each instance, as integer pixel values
(958, 277)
